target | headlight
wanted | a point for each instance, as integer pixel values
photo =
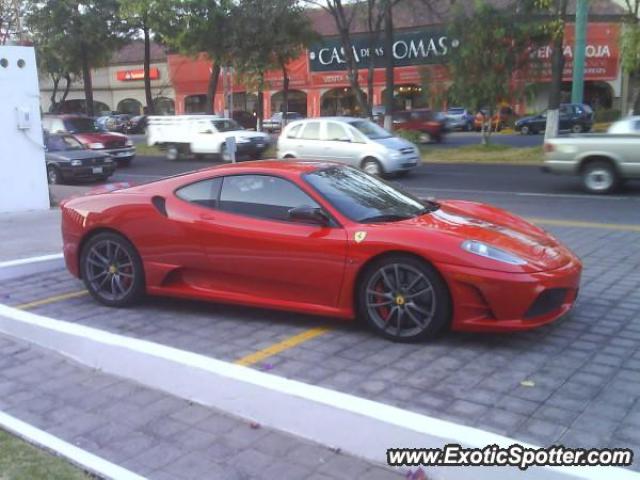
(76, 163)
(96, 146)
(487, 251)
(129, 143)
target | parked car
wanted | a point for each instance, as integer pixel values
(138, 124)
(504, 117)
(247, 120)
(320, 238)
(67, 160)
(574, 117)
(603, 161)
(354, 141)
(459, 118)
(86, 131)
(114, 122)
(274, 124)
(629, 125)
(182, 135)
(430, 126)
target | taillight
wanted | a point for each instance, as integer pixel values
(548, 148)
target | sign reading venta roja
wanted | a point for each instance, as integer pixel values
(417, 47)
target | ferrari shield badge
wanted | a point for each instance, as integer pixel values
(360, 236)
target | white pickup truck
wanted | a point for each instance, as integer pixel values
(182, 135)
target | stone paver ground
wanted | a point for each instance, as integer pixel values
(152, 433)
(585, 368)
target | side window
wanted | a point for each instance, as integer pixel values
(311, 131)
(336, 132)
(636, 126)
(358, 137)
(203, 193)
(262, 196)
(294, 131)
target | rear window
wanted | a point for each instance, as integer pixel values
(81, 125)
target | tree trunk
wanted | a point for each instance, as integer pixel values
(67, 87)
(260, 112)
(390, 63)
(212, 87)
(86, 77)
(285, 93)
(147, 68)
(54, 93)
(557, 67)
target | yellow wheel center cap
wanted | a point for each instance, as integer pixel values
(113, 269)
(399, 300)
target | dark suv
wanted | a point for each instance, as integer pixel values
(574, 117)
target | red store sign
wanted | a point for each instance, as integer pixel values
(137, 74)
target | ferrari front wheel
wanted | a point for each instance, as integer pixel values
(404, 299)
(112, 270)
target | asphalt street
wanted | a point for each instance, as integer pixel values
(525, 190)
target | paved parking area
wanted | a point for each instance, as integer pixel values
(575, 382)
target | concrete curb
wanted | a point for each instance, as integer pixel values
(30, 266)
(358, 426)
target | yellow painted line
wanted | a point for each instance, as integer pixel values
(48, 300)
(279, 347)
(575, 223)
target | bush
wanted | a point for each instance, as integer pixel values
(607, 115)
(410, 135)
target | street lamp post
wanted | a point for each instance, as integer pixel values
(577, 88)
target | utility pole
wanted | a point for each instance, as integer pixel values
(577, 88)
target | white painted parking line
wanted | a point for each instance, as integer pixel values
(30, 260)
(522, 194)
(358, 426)
(75, 455)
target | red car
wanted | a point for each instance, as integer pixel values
(426, 123)
(86, 131)
(324, 239)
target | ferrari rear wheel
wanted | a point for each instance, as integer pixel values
(112, 270)
(404, 299)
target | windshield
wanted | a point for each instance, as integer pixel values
(455, 111)
(57, 143)
(226, 125)
(81, 125)
(364, 198)
(370, 129)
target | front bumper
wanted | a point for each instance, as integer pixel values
(492, 301)
(252, 149)
(125, 153)
(87, 172)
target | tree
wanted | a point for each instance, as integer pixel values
(52, 60)
(488, 47)
(141, 16)
(630, 41)
(556, 26)
(194, 27)
(92, 30)
(10, 28)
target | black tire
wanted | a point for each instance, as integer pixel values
(103, 274)
(54, 176)
(289, 157)
(440, 310)
(372, 166)
(525, 130)
(577, 128)
(600, 177)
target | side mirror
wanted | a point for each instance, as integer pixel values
(306, 214)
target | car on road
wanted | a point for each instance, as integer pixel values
(574, 117)
(182, 135)
(629, 126)
(138, 124)
(115, 122)
(68, 160)
(428, 125)
(354, 141)
(603, 161)
(86, 131)
(274, 124)
(320, 238)
(459, 118)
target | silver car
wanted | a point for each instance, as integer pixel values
(354, 141)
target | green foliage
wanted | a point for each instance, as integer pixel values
(630, 46)
(607, 115)
(410, 135)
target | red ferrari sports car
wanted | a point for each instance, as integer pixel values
(324, 239)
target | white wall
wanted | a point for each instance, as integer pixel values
(23, 178)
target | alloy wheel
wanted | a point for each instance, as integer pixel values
(599, 179)
(109, 270)
(400, 300)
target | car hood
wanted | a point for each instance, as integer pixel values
(101, 137)
(528, 119)
(498, 228)
(68, 155)
(393, 143)
(246, 134)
